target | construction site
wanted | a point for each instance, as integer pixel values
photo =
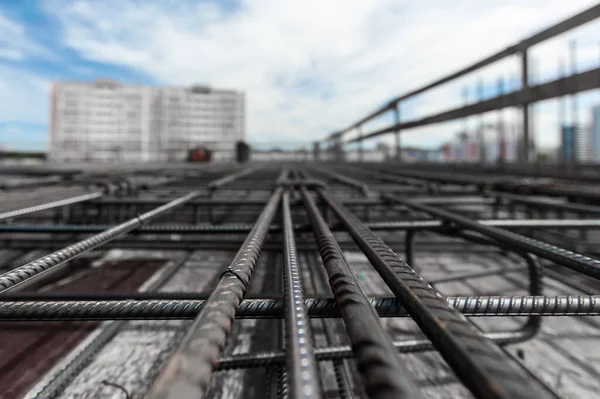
(313, 278)
(333, 281)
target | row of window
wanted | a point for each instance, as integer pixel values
(192, 108)
(87, 135)
(172, 126)
(195, 97)
(137, 111)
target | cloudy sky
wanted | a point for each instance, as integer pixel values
(307, 67)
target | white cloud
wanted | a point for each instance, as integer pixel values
(23, 96)
(11, 54)
(308, 67)
(14, 41)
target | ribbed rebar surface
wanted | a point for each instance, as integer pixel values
(86, 355)
(35, 268)
(189, 370)
(484, 306)
(302, 373)
(49, 205)
(383, 373)
(334, 353)
(293, 360)
(573, 260)
(482, 366)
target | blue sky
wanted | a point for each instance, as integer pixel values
(307, 68)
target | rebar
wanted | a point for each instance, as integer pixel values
(332, 353)
(302, 374)
(65, 375)
(33, 270)
(227, 228)
(482, 366)
(190, 368)
(385, 376)
(49, 205)
(247, 223)
(362, 187)
(220, 183)
(561, 256)
(155, 309)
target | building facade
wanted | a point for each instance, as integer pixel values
(596, 132)
(577, 144)
(109, 121)
(568, 144)
(584, 149)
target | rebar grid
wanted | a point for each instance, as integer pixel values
(475, 357)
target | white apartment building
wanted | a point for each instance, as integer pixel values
(110, 121)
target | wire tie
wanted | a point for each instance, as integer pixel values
(138, 217)
(118, 386)
(233, 272)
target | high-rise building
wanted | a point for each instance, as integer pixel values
(568, 139)
(584, 148)
(595, 133)
(576, 144)
(106, 120)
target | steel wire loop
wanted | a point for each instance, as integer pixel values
(572, 260)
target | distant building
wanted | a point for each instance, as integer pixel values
(446, 152)
(568, 139)
(595, 133)
(316, 151)
(465, 149)
(584, 147)
(384, 148)
(577, 144)
(106, 120)
(461, 152)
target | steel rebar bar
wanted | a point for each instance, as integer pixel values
(33, 270)
(155, 309)
(333, 353)
(301, 366)
(61, 379)
(190, 368)
(385, 376)
(572, 260)
(229, 228)
(480, 364)
(49, 205)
